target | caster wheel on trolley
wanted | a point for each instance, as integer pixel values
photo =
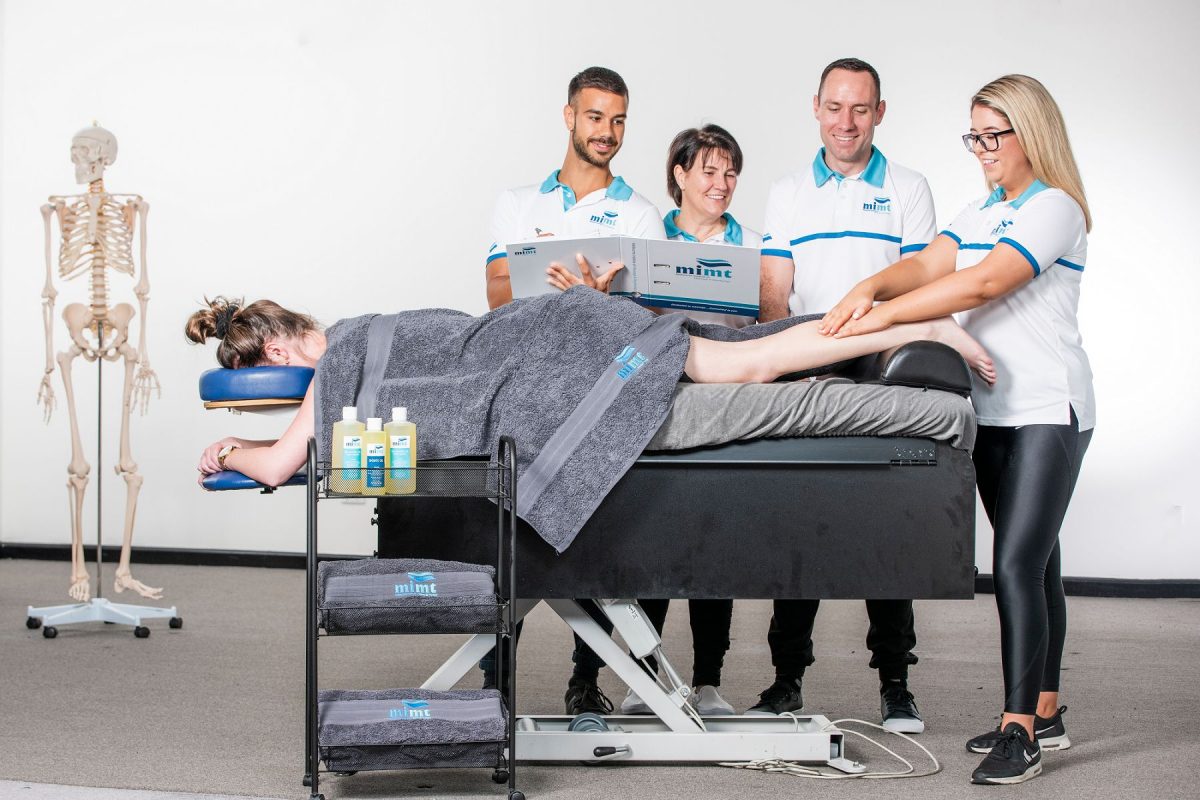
(49, 631)
(176, 623)
(516, 795)
(500, 776)
(307, 780)
(33, 623)
(141, 632)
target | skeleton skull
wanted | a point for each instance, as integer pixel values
(92, 149)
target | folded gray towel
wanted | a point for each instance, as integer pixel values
(406, 596)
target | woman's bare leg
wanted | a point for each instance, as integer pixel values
(802, 347)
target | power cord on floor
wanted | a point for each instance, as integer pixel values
(800, 771)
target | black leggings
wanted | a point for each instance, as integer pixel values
(1026, 476)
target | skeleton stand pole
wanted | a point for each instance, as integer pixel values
(99, 461)
(98, 609)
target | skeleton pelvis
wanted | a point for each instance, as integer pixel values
(99, 336)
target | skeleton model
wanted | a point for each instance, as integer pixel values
(97, 230)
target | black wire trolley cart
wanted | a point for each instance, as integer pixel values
(407, 728)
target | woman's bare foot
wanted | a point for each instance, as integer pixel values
(949, 332)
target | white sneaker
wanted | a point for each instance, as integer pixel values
(708, 702)
(632, 704)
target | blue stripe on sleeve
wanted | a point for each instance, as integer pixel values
(778, 253)
(846, 234)
(494, 256)
(1069, 265)
(912, 248)
(1028, 256)
(956, 239)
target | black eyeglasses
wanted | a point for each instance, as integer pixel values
(988, 141)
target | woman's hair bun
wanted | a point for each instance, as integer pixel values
(213, 321)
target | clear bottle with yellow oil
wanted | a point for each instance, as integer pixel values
(402, 453)
(347, 452)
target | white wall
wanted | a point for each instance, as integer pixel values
(343, 158)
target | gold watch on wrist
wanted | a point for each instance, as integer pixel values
(224, 454)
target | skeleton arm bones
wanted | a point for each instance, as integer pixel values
(145, 381)
(45, 395)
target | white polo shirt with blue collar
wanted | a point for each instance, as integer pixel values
(1032, 333)
(551, 209)
(735, 235)
(839, 229)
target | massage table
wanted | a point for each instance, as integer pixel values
(826, 517)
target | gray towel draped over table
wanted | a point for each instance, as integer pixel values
(521, 370)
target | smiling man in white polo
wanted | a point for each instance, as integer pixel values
(583, 198)
(829, 225)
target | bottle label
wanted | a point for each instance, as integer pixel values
(375, 453)
(401, 447)
(351, 458)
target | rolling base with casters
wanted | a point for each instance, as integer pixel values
(98, 609)
(675, 733)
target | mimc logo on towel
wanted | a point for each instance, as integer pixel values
(631, 360)
(418, 583)
(411, 709)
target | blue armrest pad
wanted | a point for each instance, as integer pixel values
(224, 481)
(255, 383)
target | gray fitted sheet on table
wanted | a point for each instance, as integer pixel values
(704, 415)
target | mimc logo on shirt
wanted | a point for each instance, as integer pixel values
(882, 205)
(1002, 227)
(608, 218)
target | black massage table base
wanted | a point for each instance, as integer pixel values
(837, 517)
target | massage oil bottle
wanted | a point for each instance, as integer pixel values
(347, 453)
(375, 451)
(402, 453)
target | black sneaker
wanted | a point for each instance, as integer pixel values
(1014, 759)
(1051, 735)
(899, 710)
(584, 696)
(782, 695)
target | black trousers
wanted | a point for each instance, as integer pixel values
(1026, 476)
(890, 638)
(710, 621)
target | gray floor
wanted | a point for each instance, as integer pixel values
(217, 708)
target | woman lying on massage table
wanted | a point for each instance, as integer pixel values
(264, 333)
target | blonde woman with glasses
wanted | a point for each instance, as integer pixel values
(1012, 263)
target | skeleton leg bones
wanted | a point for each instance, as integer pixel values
(127, 468)
(77, 481)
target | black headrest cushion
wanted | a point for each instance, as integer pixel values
(929, 365)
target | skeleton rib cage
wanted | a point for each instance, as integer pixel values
(96, 235)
